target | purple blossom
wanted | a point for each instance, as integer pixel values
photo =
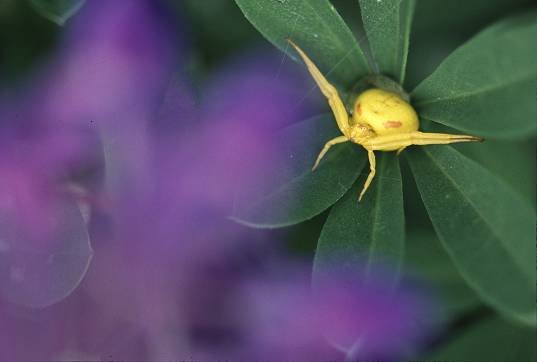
(362, 319)
(171, 276)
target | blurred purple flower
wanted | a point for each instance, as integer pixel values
(362, 319)
(169, 269)
(116, 55)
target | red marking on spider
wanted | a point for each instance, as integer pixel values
(392, 124)
(358, 108)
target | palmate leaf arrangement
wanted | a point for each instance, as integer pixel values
(485, 88)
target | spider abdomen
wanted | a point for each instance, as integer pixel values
(385, 112)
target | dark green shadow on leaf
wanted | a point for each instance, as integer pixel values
(387, 24)
(490, 340)
(367, 237)
(487, 86)
(434, 37)
(292, 193)
(58, 11)
(487, 228)
(317, 28)
(425, 257)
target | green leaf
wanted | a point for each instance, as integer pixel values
(317, 28)
(58, 11)
(367, 237)
(512, 162)
(435, 37)
(426, 258)
(387, 24)
(37, 273)
(487, 86)
(489, 341)
(486, 227)
(291, 192)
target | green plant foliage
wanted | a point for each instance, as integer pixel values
(50, 275)
(317, 28)
(480, 211)
(364, 237)
(425, 256)
(487, 86)
(486, 228)
(387, 24)
(512, 162)
(207, 19)
(293, 193)
(491, 340)
(58, 11)
(434, 37)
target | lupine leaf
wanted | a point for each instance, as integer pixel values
(435, 37)
(317, 28)
(486, 227)
(490, 340)
(58, 11)
(292, 193)
(486, 86)
(425, 256)
(387, 24)
(365, 237)
(37, 273)
(510, 161)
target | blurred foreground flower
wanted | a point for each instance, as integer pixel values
(171, 276)
(361, 318)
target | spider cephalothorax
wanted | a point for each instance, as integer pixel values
(381, 121)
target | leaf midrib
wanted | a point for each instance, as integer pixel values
(520, 79)
(403, 53)
(341, 46)
(376, 212)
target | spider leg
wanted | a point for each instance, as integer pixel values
(372, 171)
(398, 141)
(327, 146)
(329, 91)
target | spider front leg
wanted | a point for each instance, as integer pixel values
(372, 172)
(400, 141)
(327, 146)
(329, 91)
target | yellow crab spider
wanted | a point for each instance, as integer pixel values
(381, 121)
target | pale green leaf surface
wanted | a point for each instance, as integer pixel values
(487, 86)
(58, 11)
(387, 24)
(291, 192)
(317, 28)
(365, 238)
(487, 228)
